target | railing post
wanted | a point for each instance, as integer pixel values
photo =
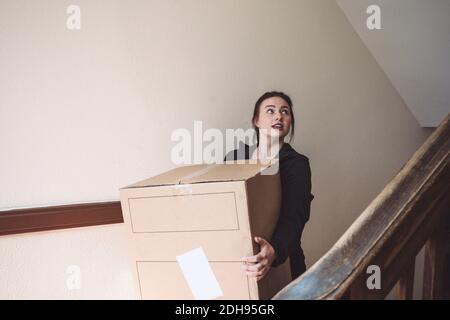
(435, 279)
(405, 284)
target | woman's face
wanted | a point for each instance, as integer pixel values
(274, 117)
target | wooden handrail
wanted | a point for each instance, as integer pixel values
(413, 210)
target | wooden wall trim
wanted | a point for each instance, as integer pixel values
(59, 217)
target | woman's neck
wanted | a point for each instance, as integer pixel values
(268, 148)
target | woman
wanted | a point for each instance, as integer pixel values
(272, 120)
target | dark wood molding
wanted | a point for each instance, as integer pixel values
(59, 217)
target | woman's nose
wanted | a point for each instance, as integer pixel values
(278, 116)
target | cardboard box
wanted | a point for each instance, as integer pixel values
(218, 208)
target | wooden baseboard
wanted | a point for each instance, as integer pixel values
(59, 217)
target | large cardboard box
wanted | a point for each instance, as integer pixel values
(219, 208)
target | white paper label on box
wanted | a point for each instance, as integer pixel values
(199, 275)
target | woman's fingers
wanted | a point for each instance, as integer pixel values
(256, 274)
(253, 259)
(252, 268)
(260, 241)
(258, 265)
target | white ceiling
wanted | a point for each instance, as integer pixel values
(413, 49)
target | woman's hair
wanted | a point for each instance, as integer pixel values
(270, 95)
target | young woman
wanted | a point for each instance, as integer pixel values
(273, 119)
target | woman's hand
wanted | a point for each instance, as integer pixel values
(259, 264)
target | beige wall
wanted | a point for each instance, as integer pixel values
(85, 112)
(412, 47)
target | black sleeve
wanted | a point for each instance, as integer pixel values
(241, 153)
(229, 156)
(295, 209)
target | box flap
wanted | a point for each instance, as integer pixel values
(203, 173)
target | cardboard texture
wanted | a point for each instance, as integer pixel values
(217, 209)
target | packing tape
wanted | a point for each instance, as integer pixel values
(182, 189)
(197, 173)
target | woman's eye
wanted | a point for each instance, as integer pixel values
(270, 111)
(285, 112)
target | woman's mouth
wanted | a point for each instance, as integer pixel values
(278, 126)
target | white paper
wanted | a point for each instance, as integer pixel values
(199, 275)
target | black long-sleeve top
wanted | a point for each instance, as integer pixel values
(296, 197)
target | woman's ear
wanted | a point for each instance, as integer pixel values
(255, 122)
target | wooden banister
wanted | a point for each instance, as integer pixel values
(411, 211)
